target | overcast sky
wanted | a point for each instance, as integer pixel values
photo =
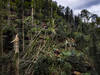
(77, 5)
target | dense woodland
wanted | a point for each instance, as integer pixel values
(52, 40)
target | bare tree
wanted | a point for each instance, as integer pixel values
(16, 48)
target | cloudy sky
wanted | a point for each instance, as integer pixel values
(77, 5)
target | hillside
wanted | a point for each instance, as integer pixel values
(38, 37)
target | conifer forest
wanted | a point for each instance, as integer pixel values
(40, 37)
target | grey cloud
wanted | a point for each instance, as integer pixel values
(89, 4)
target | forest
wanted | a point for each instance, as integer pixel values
(40, 37)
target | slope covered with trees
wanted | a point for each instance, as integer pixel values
(52, 40)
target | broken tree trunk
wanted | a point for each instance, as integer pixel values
(16, 48)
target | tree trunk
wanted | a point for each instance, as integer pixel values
(16, 48)
(23, 27)
(9, 13)
(23, 33)
(32, 14)
(1, 46)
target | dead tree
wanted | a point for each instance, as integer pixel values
(16, 48)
